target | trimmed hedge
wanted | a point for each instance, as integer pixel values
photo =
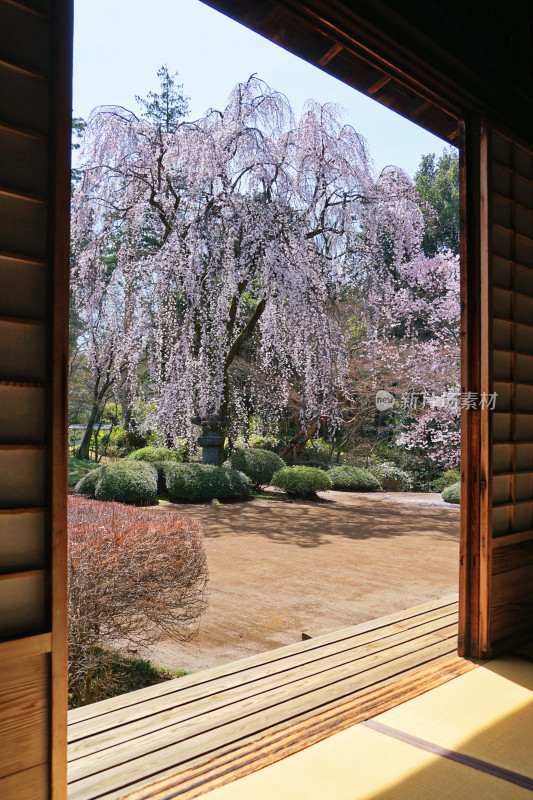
(122, 481)
(301, 481)
(259, 465)
(152, 454)
(194, 482)
(353, 479)
(452, 494)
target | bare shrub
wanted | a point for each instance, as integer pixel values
(135, 575)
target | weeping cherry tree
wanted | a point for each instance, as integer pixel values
(234, 235)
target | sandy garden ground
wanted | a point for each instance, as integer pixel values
(280, 569)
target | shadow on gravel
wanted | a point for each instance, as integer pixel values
(307, 524)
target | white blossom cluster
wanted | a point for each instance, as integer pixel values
(208, 260)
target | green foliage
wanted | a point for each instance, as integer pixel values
(301, 481)
(123, 481)
(452, 494)
(167, 108)
(448, 478)
(87, 485)
(318, 450)
(421, 470)
(307, 462)
(78, 468)
(196, 482)
(152, 454)
(114, 443)
(259, 465)
(437, 182)
(353, 479)
(270, 443)
(391, 477)
(127, 482)
(117, 674)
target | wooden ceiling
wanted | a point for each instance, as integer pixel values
(432, 62)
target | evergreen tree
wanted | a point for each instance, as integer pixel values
(168, 107)
(437, 183)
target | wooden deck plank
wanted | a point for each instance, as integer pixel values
(129, 741)
(102, 773)
(122, 749)
(407, 616)
(312, 660)
(122, 728)
(404, 619)
(247, 757)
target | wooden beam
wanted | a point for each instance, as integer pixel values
(331, 53)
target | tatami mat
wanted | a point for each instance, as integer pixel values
(486, 714)
(484, 717)
(361, 764)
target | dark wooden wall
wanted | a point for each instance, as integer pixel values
(34, 195)
(510, 239)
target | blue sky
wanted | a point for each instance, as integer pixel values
(120, 44)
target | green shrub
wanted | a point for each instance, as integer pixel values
(448, 478)
(306, 462)
(452, 494)
(318, 450)
(152, 453)
(391, 477)
(127, 482)
(301, 481)
(123, 481)
(270, 443)
(194, 482)
(87, 485)
(353, 479)
(259, 465)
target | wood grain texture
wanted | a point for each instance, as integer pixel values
(127, 741)
(486, 417)
(380, 628)
(26, 647)
(471, 353)
(22, 540)
(247, 758)
(29, 784)
(23, 713)
(511, 617)
(151, 718)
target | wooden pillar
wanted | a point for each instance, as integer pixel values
(496, 572)
(35, 111)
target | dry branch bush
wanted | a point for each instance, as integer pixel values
(135, 575)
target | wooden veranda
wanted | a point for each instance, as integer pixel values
(231, 714)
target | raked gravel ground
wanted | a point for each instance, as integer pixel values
(279, 569)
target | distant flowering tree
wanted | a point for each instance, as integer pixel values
(103, 299)
(234, 236)
(414, 338)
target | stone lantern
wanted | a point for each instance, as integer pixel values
(212, 439)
